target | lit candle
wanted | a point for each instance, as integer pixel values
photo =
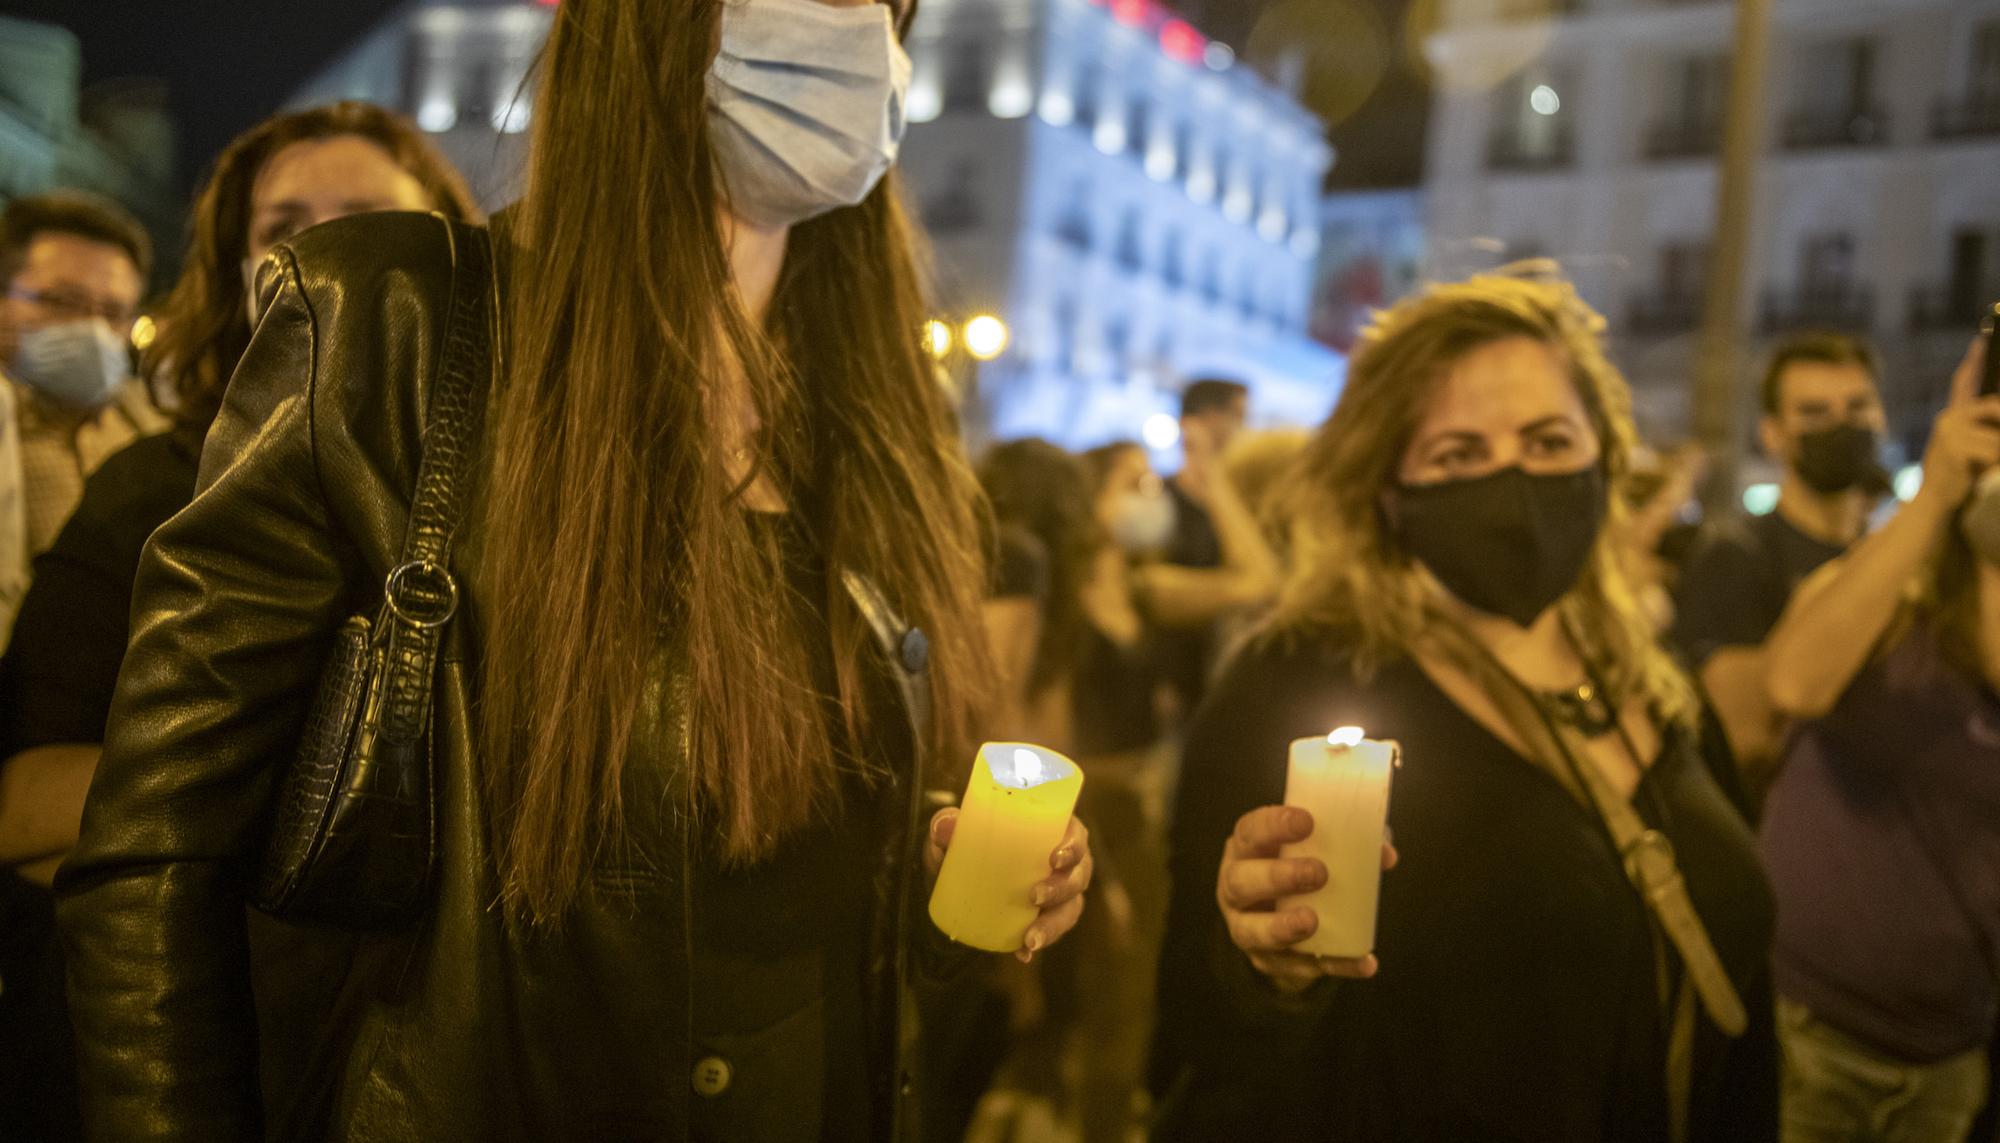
(1017, 807)
(1342, 779)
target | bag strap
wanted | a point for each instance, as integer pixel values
(1647, 854)
(420, 595)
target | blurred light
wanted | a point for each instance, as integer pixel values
(437, 115)
(1058, 109)
(1181, 42)
(1011, 97)
(144, 331)
(1109, 135)
(511, 118)
(926, 99)
(1160, 162)
(1760, 499)
(1161, 431)
(1238, 205)
(1218, 56)
(1346, 736)
(1909, 478)
(937, 338)
(1201, 184)
(1131, 13)
(986, 337)
(1271, 227)
(1544, 100)
(1305, 243)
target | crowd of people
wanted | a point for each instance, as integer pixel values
(508, 679)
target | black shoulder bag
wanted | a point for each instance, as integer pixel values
(352, 839)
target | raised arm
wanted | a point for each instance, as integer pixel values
(1186, 597)
(1837, 618)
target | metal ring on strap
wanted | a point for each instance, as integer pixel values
(434, 591)
(1650, 858)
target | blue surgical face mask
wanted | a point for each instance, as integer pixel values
(76, 364)
(805, 106)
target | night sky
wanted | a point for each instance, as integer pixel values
(228, 63)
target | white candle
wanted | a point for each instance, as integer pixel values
(1017, 807)
(1342, 779)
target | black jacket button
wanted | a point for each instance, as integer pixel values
(711, 1077)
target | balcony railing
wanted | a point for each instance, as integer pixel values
(1683, 139)
(1517, 151)
(1852, 127)
(1849, 309)
(1953, 308)
(1966, 117)
(1663, 313)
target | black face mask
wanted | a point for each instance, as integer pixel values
(1836, 458)
(1507, 543)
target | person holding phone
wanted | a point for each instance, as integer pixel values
(1459, 587)
(1882, 834)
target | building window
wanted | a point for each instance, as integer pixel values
(954, 206)
(1118, 346)
(1073, 225)
(1975, 110)
(967, 77)
(1834, 103)
(1131, 245)
(1211, 279)
(1827, 294)
(1172, 268)
(1088, 98)
(1690, 120)
(1250, 303)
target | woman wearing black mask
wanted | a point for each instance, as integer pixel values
(1458, 589)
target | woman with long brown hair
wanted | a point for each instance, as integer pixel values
(709, 604)
(1574, 945)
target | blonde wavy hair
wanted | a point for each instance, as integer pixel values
(1350, 576)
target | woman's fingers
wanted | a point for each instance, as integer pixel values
(1052, 926)
(1261, 832)
(1295, 972)
(1069, 883)
(943, 823)
(1270, 932)
(1255, 883)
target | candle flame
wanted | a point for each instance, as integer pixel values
(1028, 769)
(1346, 736)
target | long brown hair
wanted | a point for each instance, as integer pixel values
(1045, 490)
(204, 326)
(614, 531)
(1351, 576)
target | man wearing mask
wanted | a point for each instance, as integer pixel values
(1212, 413)
(1822, 421)
(74, 267)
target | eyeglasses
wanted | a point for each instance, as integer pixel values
(68, 305)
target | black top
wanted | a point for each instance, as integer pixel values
(780, 948)
(1114, 694)
(1736, 582)
(1019, 565)
(59, 670)
(1517, 994)
(1186, 654)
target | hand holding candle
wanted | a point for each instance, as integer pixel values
(1298, 882)
(1012, 864)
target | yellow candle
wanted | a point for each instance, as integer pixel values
(1017, 806)
(1342, 779)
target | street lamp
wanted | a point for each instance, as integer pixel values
(986, 337)
(938, 339)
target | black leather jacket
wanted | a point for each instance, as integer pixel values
(198, 1020)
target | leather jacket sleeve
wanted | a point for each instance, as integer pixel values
(236, 601)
